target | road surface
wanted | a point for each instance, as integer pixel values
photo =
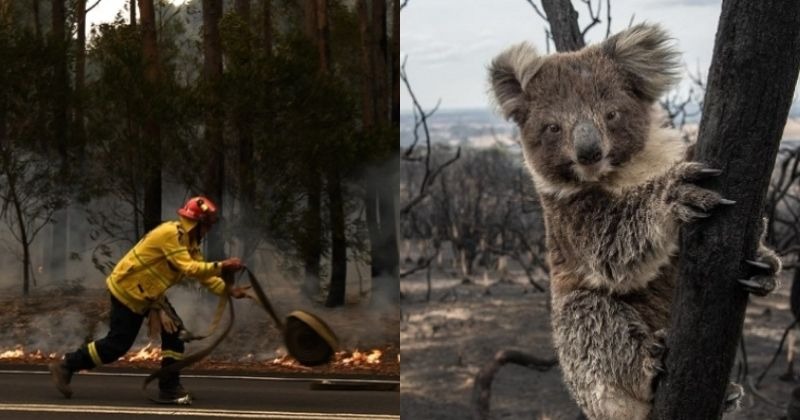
(30, 394)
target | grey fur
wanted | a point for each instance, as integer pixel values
(508, 74)
(612, 226)
(645, 53)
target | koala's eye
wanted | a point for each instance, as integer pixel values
(612, 115)
(553, 128)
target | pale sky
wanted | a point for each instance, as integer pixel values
(106, 10)
(449, 43)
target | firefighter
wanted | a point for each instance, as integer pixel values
(137, 285)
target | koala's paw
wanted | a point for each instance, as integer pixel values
(689, 202)
(658, 350)
(733, 397)
(763, 270)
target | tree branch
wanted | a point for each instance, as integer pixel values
(482, 390)
(564, 25)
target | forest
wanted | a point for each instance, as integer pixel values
(284, 113)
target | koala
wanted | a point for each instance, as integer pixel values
(615, 185)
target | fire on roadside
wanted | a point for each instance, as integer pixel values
(19, 353)
(146, 353)
(151, 353)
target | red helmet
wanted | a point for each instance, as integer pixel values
(200, 209)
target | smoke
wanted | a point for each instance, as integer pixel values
(58, 332)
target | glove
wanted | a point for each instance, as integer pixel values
(167, 322)
(232, 265)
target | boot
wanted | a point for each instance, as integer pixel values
(170, 388)
(177, 394)
(62, 375)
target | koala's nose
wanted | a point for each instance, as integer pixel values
(587, 141)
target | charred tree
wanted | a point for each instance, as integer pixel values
(750, 87)
(151, 129)
(564, 27)
(214, 181)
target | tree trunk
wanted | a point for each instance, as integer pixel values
(60, 105)
(336, 294)
(396, 63)
(750, 87)
(323, 37)
(381, 50)
(37, 24)
(312, 239)
(151, 129)
(310, 19)
(242, 8)
(367, 80)
(79, 134)
(58, 44)
(23, 232)
(132, 17)
(266, 27)
(243, 126)
(564, 27)
(387, 283)
(212, 73)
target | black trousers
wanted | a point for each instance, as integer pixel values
(124, 326)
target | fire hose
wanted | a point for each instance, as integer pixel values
(307, 337)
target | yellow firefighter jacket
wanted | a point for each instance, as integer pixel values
(161, 259)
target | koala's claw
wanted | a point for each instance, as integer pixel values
(733, 397)
(763, 272)
(689, 201)
(710, 172)
(758, 285)
(760, 265)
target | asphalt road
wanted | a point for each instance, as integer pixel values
(26, 394)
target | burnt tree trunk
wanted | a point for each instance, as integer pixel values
(212, 74)
(750, 87)
(564, 27)
(151, 129)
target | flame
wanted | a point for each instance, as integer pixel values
(146, 353)
(17, 353)
(358, 358)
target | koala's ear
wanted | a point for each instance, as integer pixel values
(647, 56)
(509, 74)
